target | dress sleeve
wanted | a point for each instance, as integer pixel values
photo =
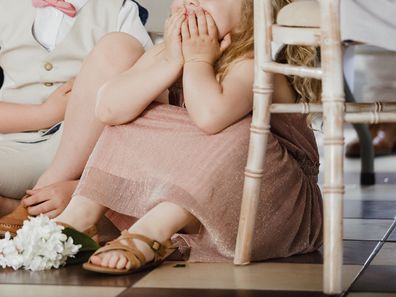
(129, 22)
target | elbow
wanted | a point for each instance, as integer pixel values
(104, 110)
(105, 115)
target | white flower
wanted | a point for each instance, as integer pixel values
(39, 245)
(9, 255)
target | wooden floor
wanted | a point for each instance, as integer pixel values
(369, 216)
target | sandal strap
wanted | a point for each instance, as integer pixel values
(157, 247)
(130, 251)
(91, 231)
(134, 256)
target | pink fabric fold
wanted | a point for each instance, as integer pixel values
(66, 7)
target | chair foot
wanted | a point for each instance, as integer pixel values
(367, 178)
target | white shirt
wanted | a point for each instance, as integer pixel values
(51, 26)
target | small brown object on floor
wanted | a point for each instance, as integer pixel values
(384, 141)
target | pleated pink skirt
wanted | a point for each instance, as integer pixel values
(163, 156)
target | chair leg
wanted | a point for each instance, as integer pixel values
(367, 173)
(263, 88)
(260, 128)
(333, 119)
(333, 194)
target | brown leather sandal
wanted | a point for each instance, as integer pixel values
(13, 221)
(134, 256)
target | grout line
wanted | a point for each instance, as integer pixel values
(371, 257)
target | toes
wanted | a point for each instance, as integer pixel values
(96, 260)
(128, 265)
(113, 260)
(106, 259)
(122, 262)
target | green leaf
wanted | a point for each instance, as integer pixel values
(88, 246)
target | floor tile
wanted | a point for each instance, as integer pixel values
(356, 252)
(353, 177)
(365, 229)
(370, 209)
(386, 256)
(375, 192)
(161, 292)
(372, 294)
(382, 164)
(258, 276)
(392, 237)
(58, 291)
(72, 275)
(376, 278)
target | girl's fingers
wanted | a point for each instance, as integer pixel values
(174, 24)
(212, 28)
(192, 25)
(44, 207)
(53, 214)
(202, 24)
(178, 23)
(167, 21)
(225, 43)
(184, 31)
(33, 200)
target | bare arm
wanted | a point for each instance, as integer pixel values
(213, 105)
(32, 117)
(126, 96)
(21, 117)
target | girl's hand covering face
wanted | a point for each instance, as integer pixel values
(200, 38)
(172, 37)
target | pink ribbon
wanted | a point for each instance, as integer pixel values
(66, 7)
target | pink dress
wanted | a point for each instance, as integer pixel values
(164, 156)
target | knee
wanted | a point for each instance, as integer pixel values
(117, 50)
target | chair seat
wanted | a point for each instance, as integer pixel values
(304, 13)
(298, 23)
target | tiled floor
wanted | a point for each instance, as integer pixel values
(369, 215)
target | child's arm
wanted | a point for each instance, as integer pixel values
(21, 117)
(32, 117)
(213, 106)
(125, 97)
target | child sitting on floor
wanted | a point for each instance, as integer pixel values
(176, 168)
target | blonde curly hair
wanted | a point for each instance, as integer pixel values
(242, 47)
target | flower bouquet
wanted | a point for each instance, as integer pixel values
(42, 244)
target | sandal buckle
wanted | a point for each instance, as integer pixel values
(156, 245)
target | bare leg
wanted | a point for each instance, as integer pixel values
(160, 223)
(81, 213)
(114, 53)
(7, 205)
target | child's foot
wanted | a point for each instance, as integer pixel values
(118, 260)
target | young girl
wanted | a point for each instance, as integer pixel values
(176, 169)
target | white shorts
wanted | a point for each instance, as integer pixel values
(24, 157)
